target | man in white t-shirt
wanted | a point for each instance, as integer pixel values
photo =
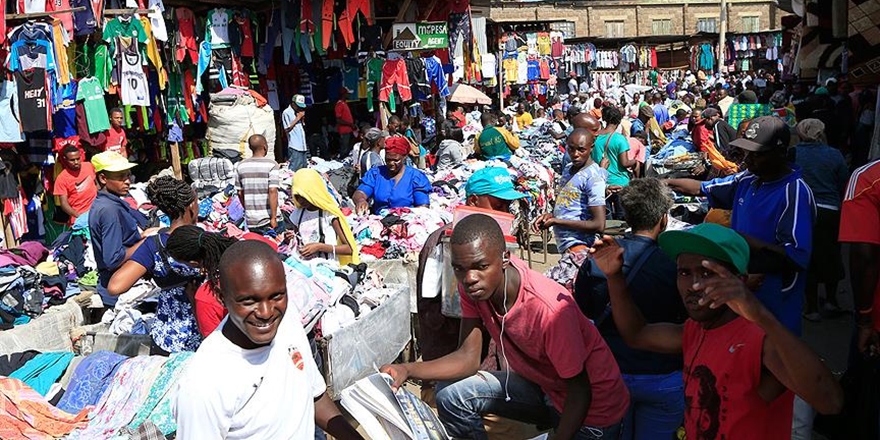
(573, 84)
(255, 377)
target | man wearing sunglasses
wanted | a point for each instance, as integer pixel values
(116, 228)
(773, 209)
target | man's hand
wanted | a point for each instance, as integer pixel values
(544, 221)
(362, 208)
(868, 341)
(727, 289)
(149, 232)
(754, 282)
(608, 256)
(398, 372)
(612, 189)
(311, 249)
(273, 223)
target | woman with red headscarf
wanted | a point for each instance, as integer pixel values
(393, 185)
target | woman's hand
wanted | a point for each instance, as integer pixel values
(362, 208)
(149, 232)
(312, 249)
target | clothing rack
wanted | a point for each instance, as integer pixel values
(31, 15)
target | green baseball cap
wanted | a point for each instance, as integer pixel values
(709, 240)
(492, 181)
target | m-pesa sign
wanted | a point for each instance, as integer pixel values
(415, 36)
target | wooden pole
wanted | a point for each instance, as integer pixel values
(722, 35)
(175, 161)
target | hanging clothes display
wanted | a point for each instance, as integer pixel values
(132, 80)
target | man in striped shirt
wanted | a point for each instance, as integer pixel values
(257, 181)
(774, 210)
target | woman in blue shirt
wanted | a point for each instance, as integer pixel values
(393, 185)
(175, 328)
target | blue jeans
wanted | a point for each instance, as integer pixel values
(656, 407)
(462, 404)
(297, 159)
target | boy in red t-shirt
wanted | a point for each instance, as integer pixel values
(116, 139)
(741, 365)
(558, 369)
(75, 185)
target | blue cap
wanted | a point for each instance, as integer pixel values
(492, 181)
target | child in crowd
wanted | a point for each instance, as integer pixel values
(319, 223)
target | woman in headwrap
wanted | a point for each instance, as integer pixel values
(393, 185)
(656, 138)
(318, 221)
(825, 171)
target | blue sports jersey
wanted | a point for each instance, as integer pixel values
(781, 212)
(64, 118)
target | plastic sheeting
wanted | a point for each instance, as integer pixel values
(374, 339)
(233, 119)
(399, 271)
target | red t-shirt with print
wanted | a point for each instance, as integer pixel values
(722, 370)
(860, 215)
(79, 188)
(116, 141)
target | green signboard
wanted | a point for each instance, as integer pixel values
(420, 36)
(434, 35)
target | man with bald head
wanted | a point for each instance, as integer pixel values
(257, 180)
(579, 214)
(254, 376)
(587, 121)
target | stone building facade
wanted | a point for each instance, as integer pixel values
(641, 18)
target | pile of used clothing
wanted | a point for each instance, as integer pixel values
(532, 178)
(102, 395)
(396, 232)
(29, 284)
(538, 145)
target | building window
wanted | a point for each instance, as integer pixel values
(751, 24)
(614, 29)
(662, 27)
(707, 25)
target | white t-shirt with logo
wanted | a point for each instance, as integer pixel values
(265, 393)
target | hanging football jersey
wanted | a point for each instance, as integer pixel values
(31, 6)
(32, 100)
(10, 130)
(132, 80)
(217, 28)
(64, 116)
(92, 95)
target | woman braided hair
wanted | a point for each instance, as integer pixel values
(194, 245)
(171, 196)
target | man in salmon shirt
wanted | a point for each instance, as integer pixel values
(559, 370)
(742, 367)
(75, 185)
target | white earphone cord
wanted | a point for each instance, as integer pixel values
(503, 355)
